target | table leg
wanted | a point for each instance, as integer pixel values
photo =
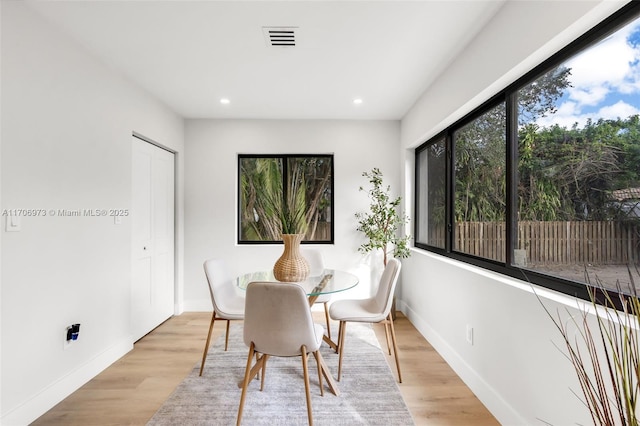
(333, 386)
(330, 342)
(254, 370)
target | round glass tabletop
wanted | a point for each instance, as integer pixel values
(330, 281)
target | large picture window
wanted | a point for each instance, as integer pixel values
(299, 186)
(545, 177)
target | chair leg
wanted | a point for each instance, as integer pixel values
(257, 355)
(263, 370)
(206, 345)
(318, 356)
(386, 334)
(307, 391)
(340, 327)
(326, 317)
(226, 337)
(343, 327)
(245, 383)
(395, 347)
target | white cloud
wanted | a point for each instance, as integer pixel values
(588, 96)
(565, 116)
(606, 65)
(631, 84)
(568, 114)
(618, 110)
(611, 67)
(568, 108)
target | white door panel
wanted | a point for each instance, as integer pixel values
(152, 237)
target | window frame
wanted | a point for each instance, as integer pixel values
(606, 27)
(284, 158)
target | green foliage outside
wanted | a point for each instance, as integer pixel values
(563, 174)
(272, 206)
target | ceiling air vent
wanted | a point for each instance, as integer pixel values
(280, 36)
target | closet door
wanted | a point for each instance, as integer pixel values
(152, 237)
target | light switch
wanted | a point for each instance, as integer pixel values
(14, 223)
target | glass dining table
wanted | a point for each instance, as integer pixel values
(328, 282)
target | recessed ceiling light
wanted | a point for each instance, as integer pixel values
(224, 101)
(357, 101)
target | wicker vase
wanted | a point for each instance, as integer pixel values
(291, 266)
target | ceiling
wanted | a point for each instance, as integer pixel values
(191, 54)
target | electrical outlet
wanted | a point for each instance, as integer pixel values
(469, 334)
(71, 335)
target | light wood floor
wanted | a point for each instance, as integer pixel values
(133, 388)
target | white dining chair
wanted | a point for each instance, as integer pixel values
(373, 310)
(278, 322)
(316, 267)
(228, 304)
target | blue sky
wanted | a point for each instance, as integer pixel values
(605, 80)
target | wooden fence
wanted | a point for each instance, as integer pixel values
(322, 232)
(552, 243)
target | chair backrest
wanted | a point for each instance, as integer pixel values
(219, 281)
(315, 261)
(387, 286)
(277, 319)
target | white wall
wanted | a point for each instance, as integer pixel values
(211, 192)
(65, 144)
(513, 365)
(66, 132)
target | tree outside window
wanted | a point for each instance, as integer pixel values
(479, 189)
(271, 184)
(579, 164)
(545, 176)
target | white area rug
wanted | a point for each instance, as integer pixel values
(369, 390)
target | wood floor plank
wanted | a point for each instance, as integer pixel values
(131, 390)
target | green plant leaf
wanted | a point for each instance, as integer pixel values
(382, 223)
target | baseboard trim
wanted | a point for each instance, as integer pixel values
(501, 410)
(46, 399)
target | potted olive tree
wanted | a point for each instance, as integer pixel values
(382, 223)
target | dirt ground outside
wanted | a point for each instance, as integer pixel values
(607, 275)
